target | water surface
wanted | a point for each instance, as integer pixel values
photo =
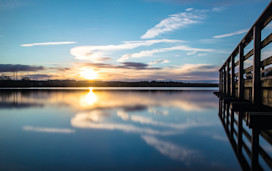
(112, 129)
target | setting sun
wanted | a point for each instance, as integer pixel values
(88, 73)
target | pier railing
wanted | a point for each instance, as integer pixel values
(249, 133)
(254, 82)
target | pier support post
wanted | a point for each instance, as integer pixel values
(256, 92)
(240, 133)
(255, 149)
(225, 85)
(241, 72)
(220, 80)
(232, 123)
(228, 77)
(232, 76)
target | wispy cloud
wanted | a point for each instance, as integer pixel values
(175, 21)
(159, 61)
(48, 130)
(100, 53)
(46, 44)
(218, 9)
(232, 34)
(153, 51)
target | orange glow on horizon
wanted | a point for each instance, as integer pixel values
(88, 73)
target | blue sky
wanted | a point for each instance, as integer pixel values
(127, 40)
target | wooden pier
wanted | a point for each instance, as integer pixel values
(245, 96)
(254, 82)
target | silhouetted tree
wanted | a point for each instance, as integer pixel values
(4, 77)
(25, 79)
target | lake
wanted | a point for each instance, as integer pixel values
(113, 129)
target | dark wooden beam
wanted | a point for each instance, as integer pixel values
(232, 76)
(241, 72)
(256, 85)
(228, 77)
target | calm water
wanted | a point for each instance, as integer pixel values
(69, 129)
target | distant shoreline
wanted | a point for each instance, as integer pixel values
(72, 83)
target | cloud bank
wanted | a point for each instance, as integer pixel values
(18, 67)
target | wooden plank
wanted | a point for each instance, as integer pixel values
(266, 78)
(267, 40)
(256, 98)
(267, 83)
(249, 54)
(236, 63)
(249, 69)
(267, 61)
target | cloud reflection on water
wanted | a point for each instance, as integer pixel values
(82, 120)
(173, 151)
(48, 130)
(149, 121)
(147, 113)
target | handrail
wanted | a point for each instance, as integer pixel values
(227, 81)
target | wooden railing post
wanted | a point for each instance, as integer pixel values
(220, 80)
(241, 72)
(256, 92)
(232, 77)
(224, 74)
(228, 78)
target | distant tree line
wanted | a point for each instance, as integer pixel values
(26, 82)
(4, 77)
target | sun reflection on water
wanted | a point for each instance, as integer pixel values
(89, 99)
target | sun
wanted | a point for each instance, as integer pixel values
(88, 73)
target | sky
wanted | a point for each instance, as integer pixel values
(122, 40)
